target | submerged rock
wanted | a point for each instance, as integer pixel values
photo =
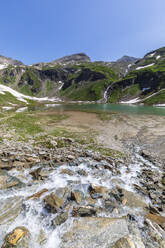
(53, 203)
(37, 195)
(94, 232)
(83, 211)
(18, 238)
(160, 220)
(7, 181)
(76, 196)
(60, 219)
(10, 208)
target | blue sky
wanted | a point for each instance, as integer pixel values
(43, 30)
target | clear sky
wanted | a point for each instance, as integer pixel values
(43, 30)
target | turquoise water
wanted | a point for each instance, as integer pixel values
(121, 108)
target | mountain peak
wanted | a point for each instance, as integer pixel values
(74, 58)
(127, 58)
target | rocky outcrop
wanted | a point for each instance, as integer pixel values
(18, 238)
(94, 232)
(10, 208)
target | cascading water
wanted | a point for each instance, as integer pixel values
(36, 218)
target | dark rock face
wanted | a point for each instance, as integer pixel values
(88, 75)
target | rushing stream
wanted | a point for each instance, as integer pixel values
(39, 221)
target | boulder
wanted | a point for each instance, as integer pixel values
(7, 181)
(132, 199)
(83, 211)
(94, 232)
(18, 238)
(76, 196)
(124, 242)
(53, 203)
(60, 219)
(10, 208)
(97, 189)
(37, 195)
(160, 220)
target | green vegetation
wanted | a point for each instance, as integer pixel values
(156, 99)
(30, 84)
(88, 90)
(9, 98)
(49, 87)
(80, 137)
(106, 151)
(23, 123)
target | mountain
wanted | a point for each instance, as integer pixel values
(120, 66)
(76, 78)
(127, 59)
(5, 62)
(67, 60)
(145, 82)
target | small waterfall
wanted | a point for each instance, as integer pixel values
(106, 93)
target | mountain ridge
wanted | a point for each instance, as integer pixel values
(76, 77)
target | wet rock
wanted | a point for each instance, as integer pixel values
(132, 200)
(71, 157)
(40, 174)
(147, 155)
(42, 238)
(18, 238)
(163, 180)
(37, 195)
(90, 200)
(160, 220)
(125, 242)
(76, 196)
(97, 189)
(83, 211)
(67, 172)
(10, 208)
(82, 173)
(63, 193)
(156, 235)
(60, 219)
(94, 232)
(53, 203)
(7, 181)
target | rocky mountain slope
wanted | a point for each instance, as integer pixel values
(145, 81)
(5, 62)
(76, 78)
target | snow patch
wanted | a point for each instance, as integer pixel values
(142, 67)
(135, 100)
(151, 55)
(158, 57)
(3, 66)
(7, 108)
(21, 110)
(129, 65)
(22, 97)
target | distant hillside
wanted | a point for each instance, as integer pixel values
(76, 78)
(145, 81)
